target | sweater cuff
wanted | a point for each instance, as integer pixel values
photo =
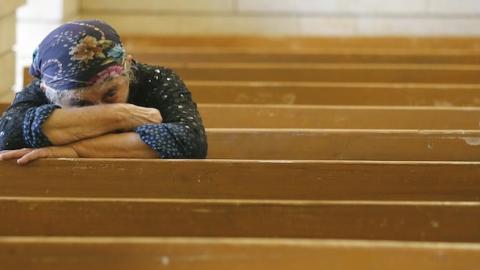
(160, 139)
(32, 125)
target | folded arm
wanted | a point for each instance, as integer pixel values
(32, 122)
(122, 145)
(65, 126)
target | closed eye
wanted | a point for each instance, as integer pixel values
(80, 103)
(111, 93)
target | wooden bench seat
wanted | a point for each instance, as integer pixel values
(332, 73)
(301, 43)
(318, 93)
(222, 253)
(365, 220)
(386, 73)
(333, 117)
(159, 55)
(3, 107)
(236, 179)
(362, 144)
(308, 50)
(343, 144)
(342, 117)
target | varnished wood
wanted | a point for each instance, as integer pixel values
(233, 253)
(236, 179)
(344, 144)
(358, 73)
(367, 200)
(160, 55)
(3, 107)
(386, 73)
(317, 93)
(333, 117)
(27, 78)
(301, 43)
(366, 220)
(343, 117)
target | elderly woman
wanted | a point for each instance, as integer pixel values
(91, 100)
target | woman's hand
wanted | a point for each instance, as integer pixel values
(27, 155)
(135, 116)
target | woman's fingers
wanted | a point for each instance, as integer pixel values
(13, 154)
(33, 155)
(27, 155)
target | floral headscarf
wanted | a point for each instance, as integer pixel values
(78, 54)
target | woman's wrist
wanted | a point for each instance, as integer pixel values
(123, 116)
(130, 116)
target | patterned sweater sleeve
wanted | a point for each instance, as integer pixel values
(181, 135)
(20, 124)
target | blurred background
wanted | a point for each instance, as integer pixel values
(24, 23)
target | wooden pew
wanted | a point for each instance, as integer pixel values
(333, 117)
(380, 73)
(342, 117)
(318, 93)
(238, 55)
(222, 253)
(365, 220)
(185, 208)
(3, 107)
(301, 43)
(308, 50)
(343, 144)
(326, 73)
(236, 179)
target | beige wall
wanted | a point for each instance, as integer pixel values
(7, 42)
(289, 17)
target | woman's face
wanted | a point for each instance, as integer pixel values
(113, 90)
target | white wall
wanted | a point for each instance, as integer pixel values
(289, 17)
(34, 21)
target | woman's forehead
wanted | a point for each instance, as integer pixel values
(105, 85)
(96, 90)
